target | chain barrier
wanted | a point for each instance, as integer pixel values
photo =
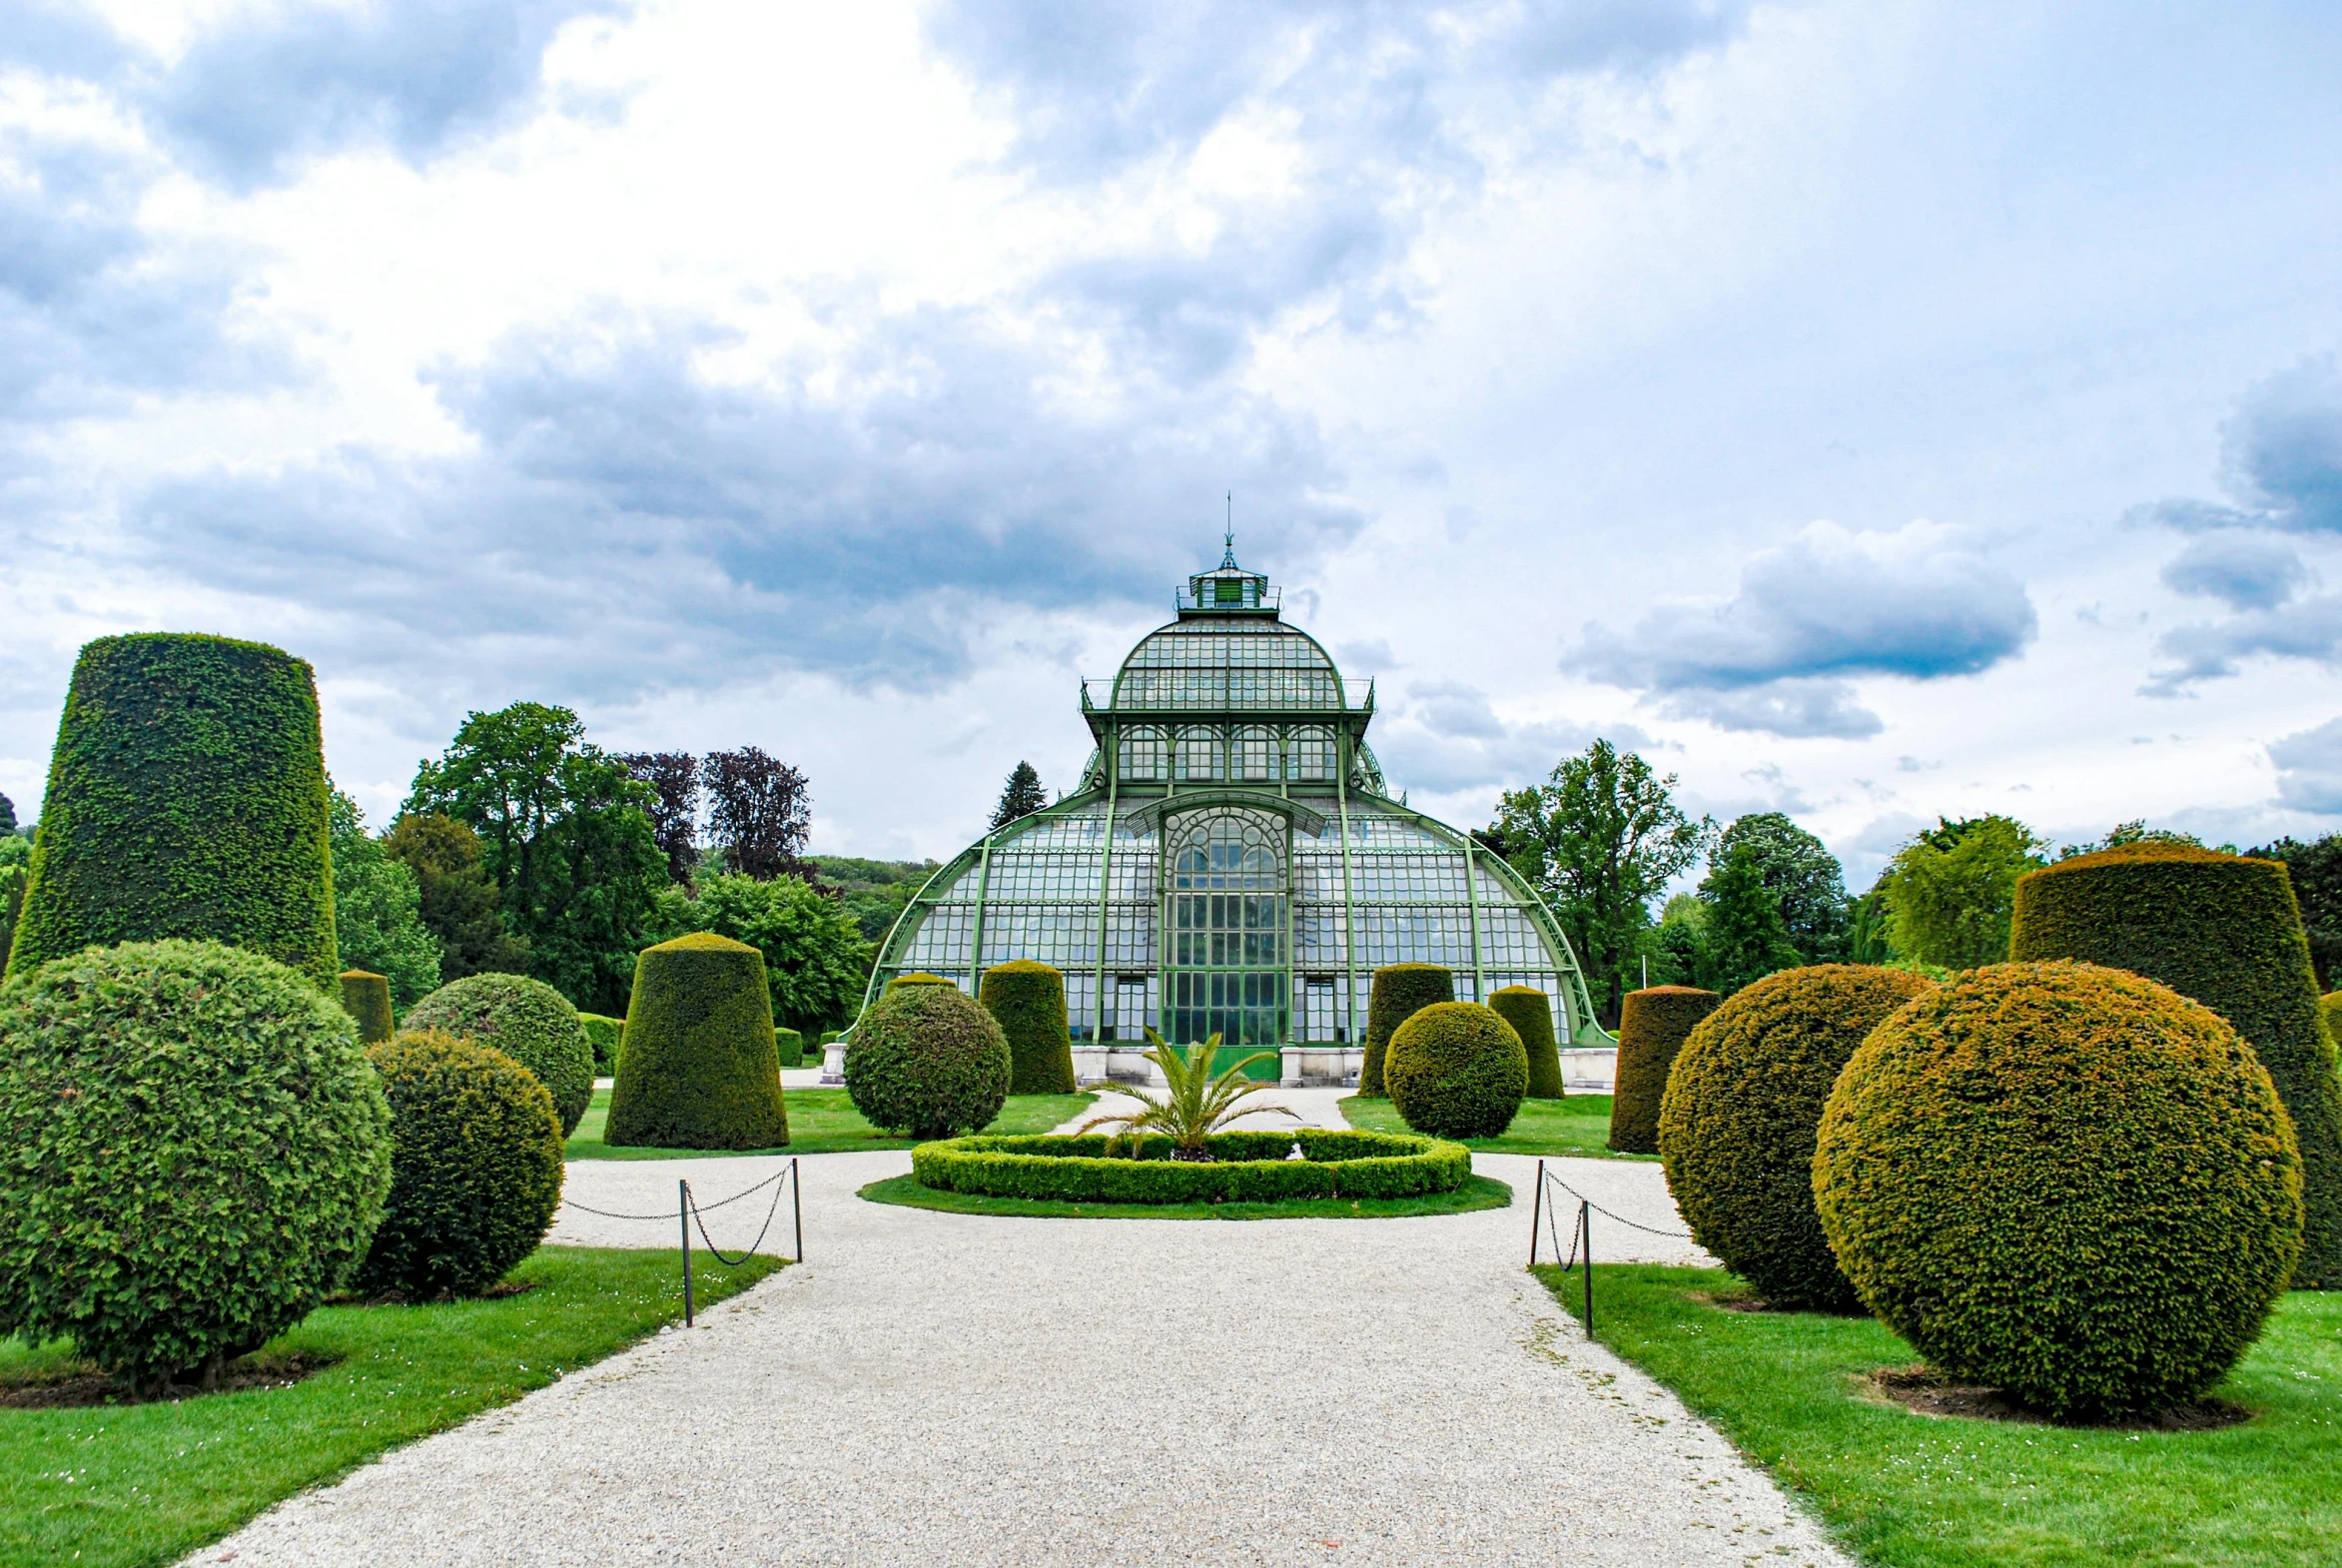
(690, 1213)
(1582, 1232)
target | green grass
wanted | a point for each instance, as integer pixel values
(119, 1485)
(1579, 1126)
(824, 1121)
(1917, 1490)
(1476, 1192)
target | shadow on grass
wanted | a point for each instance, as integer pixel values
(1476, 1192)
(823, 1121)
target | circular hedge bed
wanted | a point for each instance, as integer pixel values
(2068, 1181)
(1245, 1167)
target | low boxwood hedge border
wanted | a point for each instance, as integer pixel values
(1246, 1168)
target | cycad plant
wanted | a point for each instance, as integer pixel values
(1198, 1102)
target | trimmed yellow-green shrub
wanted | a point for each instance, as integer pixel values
(791, 1044)
(475, 1166)
(527, 1020)
(1457, 1070)
(365, 997)
(1736, 1125)
(920, 977)
(701, 1068)
(1027, 1000)
(1653, 1024)
(192, 1153)
(608, 1036)
(1400, 992)
(929, 1061)
(186, 798)
(2225, 931)
(2330, 1009)
(2064, 1181)
(1530, 1012)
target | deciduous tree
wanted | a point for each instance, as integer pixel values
(760, 812)
(460, 905)
(1600, 839)
(377, 922)
(1806, 881)
(1951, 890)
(673, 777)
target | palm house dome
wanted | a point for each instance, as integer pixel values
(1232, 864)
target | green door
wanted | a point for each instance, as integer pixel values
(1227, 964)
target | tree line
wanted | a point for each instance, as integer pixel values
(1603, 838)
(525, 848)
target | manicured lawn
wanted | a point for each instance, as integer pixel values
(1579, 1125)
(1476, 1192)
(824, 1121)
(147, 1483)
(1911, 1490)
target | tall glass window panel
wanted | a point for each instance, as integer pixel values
(1203, 755)
(1227, 936)
(1145, 756)
(1255, 755)
(1310, 754)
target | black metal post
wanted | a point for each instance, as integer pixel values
(797, 1203)
(1586, 1234)
(683, 1218)
(1536, 1213)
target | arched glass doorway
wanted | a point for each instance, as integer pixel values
(1228, 930)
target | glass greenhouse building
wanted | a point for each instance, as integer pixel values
(1233, 863)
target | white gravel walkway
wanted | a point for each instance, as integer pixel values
(942, 1389)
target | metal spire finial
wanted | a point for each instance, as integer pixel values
(1228, 560)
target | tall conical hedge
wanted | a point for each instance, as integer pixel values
(1400, 992)
(700, 1068)
(1530, 1012)
(2225, 931)
(1028, 999)
(366, 995)
(1652, 1027)
(187, 798)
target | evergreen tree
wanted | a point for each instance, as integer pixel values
(1020, 797)
(459, 904)
(2316, 870)
(1747, 938)
(377, 922)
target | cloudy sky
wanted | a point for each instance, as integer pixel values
(1867, 411)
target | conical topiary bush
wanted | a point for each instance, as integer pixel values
(1530, 1012)
(186, 798)
(2224, 929)
(700, 1068)
(366, 995)
(1028, 999)
(1400, 992)
(1652, 1027)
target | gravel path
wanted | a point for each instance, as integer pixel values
(943, 1389)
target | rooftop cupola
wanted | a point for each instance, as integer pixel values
(1229, 589)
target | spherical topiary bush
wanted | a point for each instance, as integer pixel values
(1027, 1000)
(527, 1020)
(701, 1069)
(1736, 1125)
(1457, 1070)
(365, 997)
(603, 1034)
(927, 1060)
(1653, 1024)
(475, 1166)
(193, 1153)
(1530, 1012)
(1400, 992)
(186, 798)
(2225, 931)
(2065, 1182)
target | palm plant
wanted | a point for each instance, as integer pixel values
(1196, 1105)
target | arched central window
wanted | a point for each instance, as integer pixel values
(1228, 930)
